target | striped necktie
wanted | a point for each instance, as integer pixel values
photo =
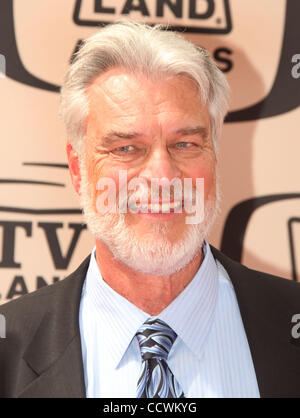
(156, 338)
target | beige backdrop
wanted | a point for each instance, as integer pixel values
(259, 156)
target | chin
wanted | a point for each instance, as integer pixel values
(154, 250)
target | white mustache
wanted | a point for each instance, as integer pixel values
(163, 195)
(134, 200)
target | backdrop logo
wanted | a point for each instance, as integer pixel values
(206, 16)
(212, 16)
(239, 218)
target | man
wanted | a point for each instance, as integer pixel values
(154, 311)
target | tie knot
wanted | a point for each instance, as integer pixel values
(155, 338)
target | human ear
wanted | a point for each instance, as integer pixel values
(74, 167)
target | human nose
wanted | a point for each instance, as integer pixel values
(160, 165)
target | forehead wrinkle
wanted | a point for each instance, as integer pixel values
(98, 92)
(112, 90)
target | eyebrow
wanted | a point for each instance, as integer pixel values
(197, 130)
(114, 136)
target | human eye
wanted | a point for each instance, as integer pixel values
(186, 149)
(124, 150)
(128, 152)
(183, 144)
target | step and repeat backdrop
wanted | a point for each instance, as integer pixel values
(256, 43)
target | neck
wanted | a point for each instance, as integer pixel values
(134, 285)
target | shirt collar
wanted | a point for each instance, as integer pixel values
(122, 319)
(196, 305)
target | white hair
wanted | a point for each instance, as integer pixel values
(140, 48)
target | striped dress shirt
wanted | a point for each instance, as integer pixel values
(210, 357)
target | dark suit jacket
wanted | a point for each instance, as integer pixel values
(41, 354)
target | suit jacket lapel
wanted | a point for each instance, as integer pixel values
(54, 353)
(62, 379)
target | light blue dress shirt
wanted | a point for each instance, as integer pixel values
(210, 357)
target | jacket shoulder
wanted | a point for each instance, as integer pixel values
(38, 327)
(27, 310)
(267, 305)
(269, 287)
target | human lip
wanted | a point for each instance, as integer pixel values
(158, 207)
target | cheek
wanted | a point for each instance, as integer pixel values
(95, 174)
(98, 167)
(208, 174)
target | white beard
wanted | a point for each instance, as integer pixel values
(151, 253)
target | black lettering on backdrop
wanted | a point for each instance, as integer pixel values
(9, 237)
(50, 229)
(41, 282)
(18, 285)
(220, 56)
(99, 8)
(175, 7)
(17, 288)
(9, 48)
(141, 7)
(193, 14)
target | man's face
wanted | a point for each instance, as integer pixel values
(150, 129)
